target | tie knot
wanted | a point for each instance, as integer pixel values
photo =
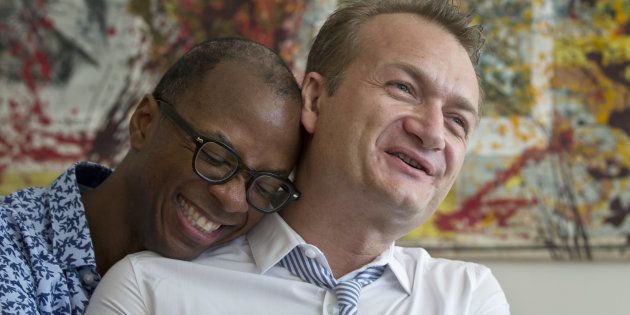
(347, 292)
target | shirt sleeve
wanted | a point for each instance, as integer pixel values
(118, 292)
(488, 297)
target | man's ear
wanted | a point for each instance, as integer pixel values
(313, 88)
(143, 121)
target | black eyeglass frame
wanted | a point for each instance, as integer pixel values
(200, 141)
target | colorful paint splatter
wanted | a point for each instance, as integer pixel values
(71, 71)
(548, 174)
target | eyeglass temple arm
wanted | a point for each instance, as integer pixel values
(172, 114)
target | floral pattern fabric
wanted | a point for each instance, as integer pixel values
(47, 262)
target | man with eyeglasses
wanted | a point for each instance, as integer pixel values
(391, 99)
(211, 150)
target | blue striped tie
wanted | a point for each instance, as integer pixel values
(347, 292)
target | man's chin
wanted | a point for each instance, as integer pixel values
(411, 208)
(407, 200)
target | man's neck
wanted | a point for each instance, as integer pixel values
(347, 242)
(106, 211)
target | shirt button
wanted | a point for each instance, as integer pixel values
(310, 253)
(88, 279)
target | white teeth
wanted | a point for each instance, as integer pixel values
(197, 219)
(202, 221)
(409, 161)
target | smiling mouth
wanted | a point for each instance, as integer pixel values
(409, 161)
(196, 218)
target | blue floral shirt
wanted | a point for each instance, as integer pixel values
(47, 263)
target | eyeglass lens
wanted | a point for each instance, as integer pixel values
(267, 192)
(216, 163)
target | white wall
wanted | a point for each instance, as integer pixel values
(558, 288)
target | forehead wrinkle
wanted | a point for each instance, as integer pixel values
(421, 76)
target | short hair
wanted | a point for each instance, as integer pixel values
(191, 69)
(335, 46)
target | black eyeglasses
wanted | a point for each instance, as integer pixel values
(217, 163)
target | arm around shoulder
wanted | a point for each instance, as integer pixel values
(118, 292)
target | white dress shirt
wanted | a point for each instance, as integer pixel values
(243, 277)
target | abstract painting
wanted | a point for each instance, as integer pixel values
(548, 170)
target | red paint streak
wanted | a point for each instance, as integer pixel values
(471, 213)
(77, 140)
(60, 140)
(27, 123)
(27, 75)
(38, 112)
(45, 22)
(44, 65)
(475, 209)
(14, 116)
(509, 203)
(504, 209)
(21, 123)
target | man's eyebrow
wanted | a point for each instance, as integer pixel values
(419, 75)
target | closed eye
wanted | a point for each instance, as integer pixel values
(271, 192)
(211, 158)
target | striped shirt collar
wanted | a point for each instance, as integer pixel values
(273, 238)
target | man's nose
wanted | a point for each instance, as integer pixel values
(427, 125)
(231, 195)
